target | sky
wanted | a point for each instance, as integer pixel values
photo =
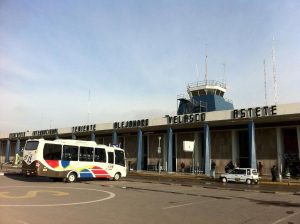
(75, 62)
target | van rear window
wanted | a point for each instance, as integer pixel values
(31, 145)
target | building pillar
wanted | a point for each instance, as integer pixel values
(139, 150)
(207, 155)
(280, 159)
(170, 150)
(93, 136)
(1, 152)
(73, 136)
(235, 147)
(252, 147)
(7, 152)
(17, 148)
(197, 150)
(114, 138)
(298, 139)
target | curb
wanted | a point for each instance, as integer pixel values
(204, 178)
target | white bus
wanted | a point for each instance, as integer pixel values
(72, 159)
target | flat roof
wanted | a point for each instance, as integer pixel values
(289, 113)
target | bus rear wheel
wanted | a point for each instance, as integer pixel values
(117, 176)
(72, 177)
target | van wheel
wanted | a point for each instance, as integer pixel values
(248, 181)
(72, 177)
(117, 176)
(224, 180)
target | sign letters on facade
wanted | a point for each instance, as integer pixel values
(255, 112)
(187, 118)
(44, 132)
(17, 135)
(84, 128)
(131, 124)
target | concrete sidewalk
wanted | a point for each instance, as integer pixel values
(10, 169)
(194, 177)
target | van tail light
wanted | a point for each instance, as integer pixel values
(37, 164)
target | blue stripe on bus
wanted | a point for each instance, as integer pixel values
(65, 163)
(86, 173)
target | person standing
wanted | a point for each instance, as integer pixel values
(260, 166)
(213, 169)
(274, 173)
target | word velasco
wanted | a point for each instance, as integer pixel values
(187, 118)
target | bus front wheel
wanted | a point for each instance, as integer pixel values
(72, 177)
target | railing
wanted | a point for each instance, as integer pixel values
(207, 83)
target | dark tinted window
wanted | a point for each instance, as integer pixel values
(70, 153)
(52, 151)
(110, 157)
(100, 155)
(241, 172)
(31, 145)
(86, 154)
(119, 158)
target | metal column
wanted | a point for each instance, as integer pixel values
(93, 137)
(252, 147)
(114, 138)
(280, 160)
(7, 152)
(170, 150)
(139, 150)
(17, 148)
(207, 150)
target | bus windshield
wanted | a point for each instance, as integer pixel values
(31, 145)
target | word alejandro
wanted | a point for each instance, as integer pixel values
(187, 118)
(44, 132)
(84, 128)
(255, 112)
(131, 124)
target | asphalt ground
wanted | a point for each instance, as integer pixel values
(135, 200)
(187, 179)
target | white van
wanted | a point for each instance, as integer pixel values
(245, 175)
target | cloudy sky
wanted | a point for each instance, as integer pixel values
(67, 63)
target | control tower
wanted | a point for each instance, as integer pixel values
(203, 96)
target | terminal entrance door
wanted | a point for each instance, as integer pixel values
(291, 152)
(244, 149)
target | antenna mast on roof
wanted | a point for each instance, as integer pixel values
(265, 77)
(206, 57)
(197, 73)
(89, 106)
(224, 75)
(274, 71)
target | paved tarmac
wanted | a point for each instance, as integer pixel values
(190, 179)
(139, 198)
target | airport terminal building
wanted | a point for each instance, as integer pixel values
(206, 127)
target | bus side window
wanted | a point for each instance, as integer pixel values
(70, 153)
(52, 151)
(119, 158)
(100, 155)
(110, 157)
(86, 153)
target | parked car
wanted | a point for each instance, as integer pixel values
(244, 175)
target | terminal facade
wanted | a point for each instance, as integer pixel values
(205, 128)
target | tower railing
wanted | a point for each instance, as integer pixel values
(207, 83)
